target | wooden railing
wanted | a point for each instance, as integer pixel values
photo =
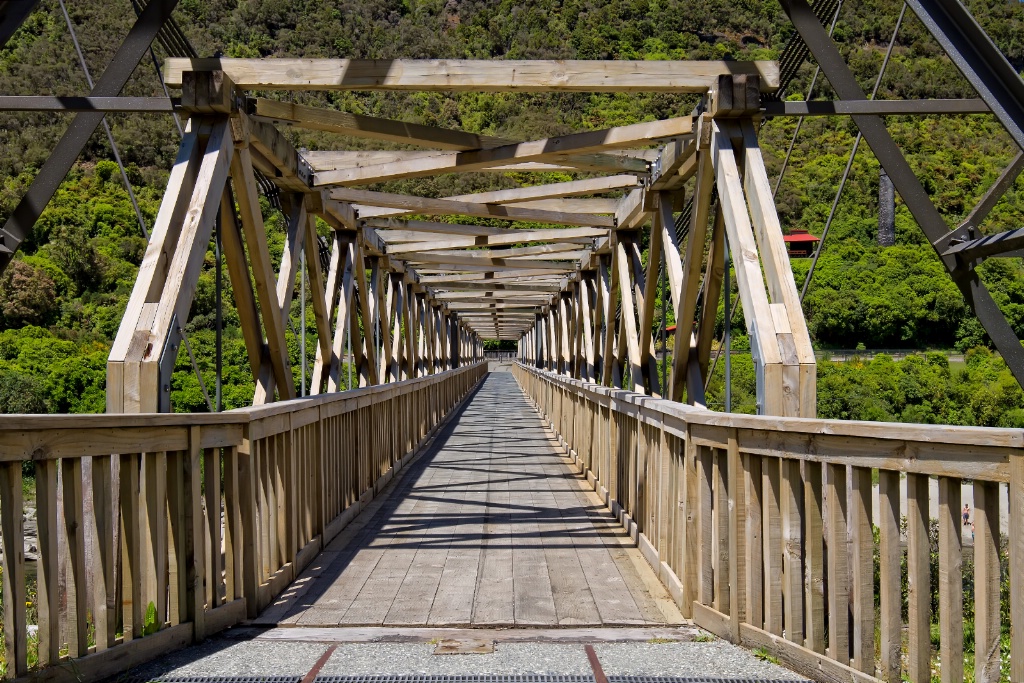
(157, 553)
(764, 528)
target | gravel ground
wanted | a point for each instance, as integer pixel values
(717, 658)
(224, 657)
(221, 657)
(508, 658)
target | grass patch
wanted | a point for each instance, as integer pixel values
(765, 656)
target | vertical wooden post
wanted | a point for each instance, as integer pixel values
(838, 565)
(862, 572)
(919, 646)
(814, 559)
(987, 625)
(890, 583)
(951, 590)
(771, 493)
(13, 531)
(194, 537)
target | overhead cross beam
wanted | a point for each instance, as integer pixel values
(550, 149)
(462, 75)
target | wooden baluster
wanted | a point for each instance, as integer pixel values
(838, 565)
(266, 511)
(986, 583)
(248, 511)
(692, 539)
(132, 565)
(74, 526)
(771, 517)
(720, 491)
(177, 571)
(919, 645)
(890, 584)
(211, 485)
(791, 490)
(752, 478)
(48, 591)
(1016, 511)
(194, 537)
(155, 534)
(737, 519)
(706, 593)
(862, 566)
(814, 559)
(13, 580)
(283, 501)
(104, 612)
(951, 595)
(233, 556)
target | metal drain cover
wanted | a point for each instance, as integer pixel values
(464, 646)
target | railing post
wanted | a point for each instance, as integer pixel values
(194, 538)
(247, 509)
(1016, 566)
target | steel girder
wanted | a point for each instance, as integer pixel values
(71, 144)
(888, 153)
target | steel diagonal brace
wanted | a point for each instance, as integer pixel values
(72, 143)
(907, 184)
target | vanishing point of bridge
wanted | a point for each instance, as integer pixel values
(583, 487)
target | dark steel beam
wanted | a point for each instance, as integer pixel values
(63, 157)
(13, 14)
(978, 58)
(876, 107)
(160, 105)
(873, 129)
(990, 245)
(995, 193)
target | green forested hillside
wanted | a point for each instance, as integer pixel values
(61, 301)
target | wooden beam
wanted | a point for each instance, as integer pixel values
(686, 301)
(497, 287)
(489, 265)
(526, 276)
(344, 313)
(318, 287)
(749, 279)
(334, 160)
(446, 206)
(263, 271)
(368, 127)
(543, 251)
(530, 193)
(775, 260)
(241, 287)
(494, 237)
(122, 374)
(464, 75)
(548, 149)
(594, 205)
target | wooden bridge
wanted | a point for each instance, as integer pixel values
(584, 488)
(539, 501)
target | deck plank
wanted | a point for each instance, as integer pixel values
(489, 527)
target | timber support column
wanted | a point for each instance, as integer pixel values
(146, 347)
(455, 338)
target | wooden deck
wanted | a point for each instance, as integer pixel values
(489, 527)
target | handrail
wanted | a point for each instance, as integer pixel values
(142, 573)
(763, 527)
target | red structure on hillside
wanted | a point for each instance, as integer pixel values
(800, 243)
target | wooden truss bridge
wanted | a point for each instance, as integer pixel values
(642, 506)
